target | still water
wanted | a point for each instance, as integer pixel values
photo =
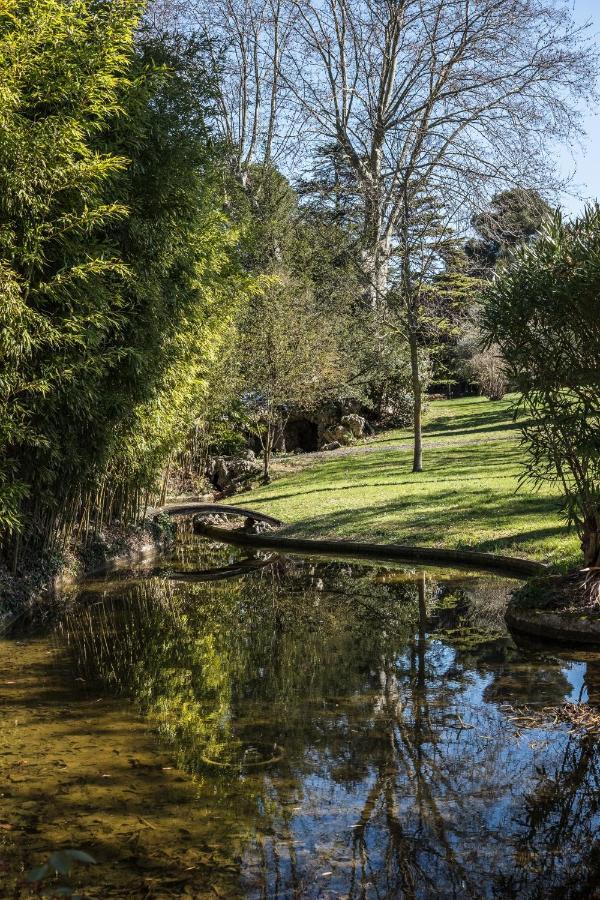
(300, 728)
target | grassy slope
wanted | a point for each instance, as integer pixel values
(468, 496)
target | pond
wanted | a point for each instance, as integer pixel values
(293, 727)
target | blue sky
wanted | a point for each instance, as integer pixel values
(584, 163)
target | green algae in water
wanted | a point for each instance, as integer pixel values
(360, 716)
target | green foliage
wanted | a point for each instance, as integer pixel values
(331, 253)
(514, 217)
(294, 339)
(180, 249)
(63, 72)
(117, 277)
(544, 312)
(289, 358)
(266, 206)
(327, 255)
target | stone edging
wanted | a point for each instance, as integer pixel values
(356, 549)
(559, 626)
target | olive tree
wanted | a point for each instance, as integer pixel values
(543, 311)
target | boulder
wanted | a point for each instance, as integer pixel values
(252, 526)
(337, 433)
(355, 424)
(227, 475)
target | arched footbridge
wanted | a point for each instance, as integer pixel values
(247, 536)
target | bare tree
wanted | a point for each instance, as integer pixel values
(248, 41)
(251, 39)
(454, 97)
(488, 369)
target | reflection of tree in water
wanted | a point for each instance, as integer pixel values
(473, 624)
(208, 649)
(556, 846)
(401, 777)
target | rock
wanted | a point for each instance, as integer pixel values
(227, 475)
(333, 445)
(252, 526)
(222, 476)
(566, 626)
(219, 521)
(355, 424)
(337, 433)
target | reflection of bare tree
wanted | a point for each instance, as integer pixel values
(409, 756)
(401, 775)
(562, 809)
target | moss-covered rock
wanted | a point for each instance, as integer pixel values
(556, 607)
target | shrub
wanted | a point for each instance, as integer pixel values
(544, 313)
(488, 371)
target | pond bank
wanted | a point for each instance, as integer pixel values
(362, 550)
(34, 589)
(557, 608)
(564, 626)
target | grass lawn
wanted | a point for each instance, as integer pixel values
(467, 497)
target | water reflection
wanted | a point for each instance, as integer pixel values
(351, 718)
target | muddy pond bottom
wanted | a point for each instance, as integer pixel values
(289, 728)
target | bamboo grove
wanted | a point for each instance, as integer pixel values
(117, 273)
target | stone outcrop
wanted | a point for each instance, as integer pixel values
(306, 431)
(354, 423)
(228, 475)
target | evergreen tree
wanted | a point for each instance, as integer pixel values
(514, 217)
(544, 312)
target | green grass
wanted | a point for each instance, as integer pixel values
(467, 497)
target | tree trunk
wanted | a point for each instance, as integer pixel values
(418, 402)
(375, 253)
(590, 541)
(267, 444)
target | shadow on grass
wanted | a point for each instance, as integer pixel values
(381, 470)
(440, 519)
(304, 491)
(509, 540)
(460, 417)
(434, 430)
(472, 420)
(467, 496)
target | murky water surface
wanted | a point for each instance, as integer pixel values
(303, 729)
